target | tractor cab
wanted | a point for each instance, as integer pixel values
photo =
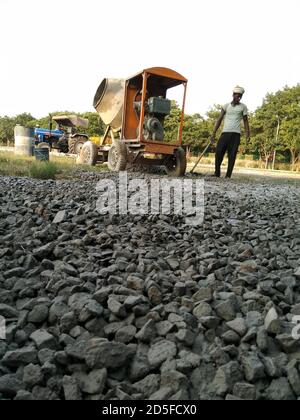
(70, 121)
(71, 140)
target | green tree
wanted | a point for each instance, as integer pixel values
(7, 125)
(196, 129)
(23, 119)
(171, 123)
(6, 129)
(274, 124)
(96, 125)
(290, 132)
(196, 132)
(263, 134)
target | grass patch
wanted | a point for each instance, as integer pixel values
(43, 170)
(59, 167)
(13, 165)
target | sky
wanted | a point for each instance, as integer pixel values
(55, 53)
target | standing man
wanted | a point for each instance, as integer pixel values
(230, 139)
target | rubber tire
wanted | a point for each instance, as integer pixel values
(43, 144)
(117, 156)
(88, 154)
(178, 166)
(74, 144)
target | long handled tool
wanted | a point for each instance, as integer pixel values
(201, 156)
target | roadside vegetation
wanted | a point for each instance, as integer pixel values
(275, 130)
(59, 167)
(248, 162)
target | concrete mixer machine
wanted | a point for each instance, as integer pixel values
(134, 111)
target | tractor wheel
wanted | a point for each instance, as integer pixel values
(43, 144)
(76, 144)
(176, 164)
(88, 154)
(117, 156)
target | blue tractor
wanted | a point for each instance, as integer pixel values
(65, 137)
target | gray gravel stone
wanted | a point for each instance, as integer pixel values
(148, 332)
(288, 343)
(186, 336)
(39, 314)
(244, 391)
(272, 322)
(162, 394)
(8, 311)
(139, 367)
(10, 385)
(238, 325)
(230, 337)
(175, 380)
(44, 251)
(226, 377)
(14, 272)
(43, 394)
(163, 328)
(60, 217)
(202, 310)
(272, 368)
(23, 396)
(297, 273)
(57, 310)
(71, 389)
(253, 367)
(104, 354)
(43, 339)
(226, 310)
(32, 375)
(126, 334)
(280, 390)
(92, 383)
(46, 355)
(23, 356)
(67, 321)
(148, 386)
(116, 308)
(254, 319)
(204, 294)
(160, 352)
(77, 349)
(187, 361)
(210, 322)
(187, 313)
(262, 339)
(294, 377)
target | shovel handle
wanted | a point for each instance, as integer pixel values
(201, 156)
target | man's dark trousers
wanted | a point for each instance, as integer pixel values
(229, 142)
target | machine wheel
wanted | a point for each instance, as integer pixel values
(88, 154)
(76, 144)
(176, 164)
(117, 156)
(43, 144)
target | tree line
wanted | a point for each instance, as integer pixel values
(95, 128)
(275, 127)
